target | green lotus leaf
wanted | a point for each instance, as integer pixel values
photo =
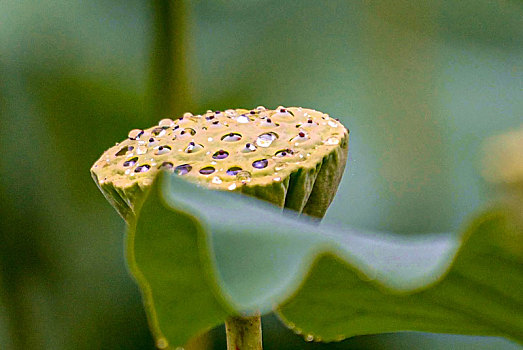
(200, 256)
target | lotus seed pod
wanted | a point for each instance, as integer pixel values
(292, 157)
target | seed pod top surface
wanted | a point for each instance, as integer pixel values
(236, 149)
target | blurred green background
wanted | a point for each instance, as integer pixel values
(420, 84)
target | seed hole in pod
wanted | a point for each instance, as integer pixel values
(265, 140)
(209, 117)
(166, 166)
(135, 134)
(166, 123)
(284, 152)
(233, 170)
(142, 168)
(124, 150)
(260, 164)
(188, 131)
(221, 154)
(243, 119)
(193, 147)
(207, 170)
(231, 137)
(130, 162)
(249, 147)
(243, 176)
(158, 132)
(162, 150)
(182, 169)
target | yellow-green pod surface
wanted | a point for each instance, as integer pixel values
(292, 157)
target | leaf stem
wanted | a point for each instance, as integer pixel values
(244, 333)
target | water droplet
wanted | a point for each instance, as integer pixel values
(301, 137)
(187, 132)
(216, 180)
(193, 148)
(332, 141)
(207, 170)
(261, 108)
(284, 115)
(123, 151)
(182, 169)
(231, 137)
(187, 115)
(332, 124)
(135, 134)
(162, 343)
(249, 147)
(243, 176)
(233, 170)
(159, 132)
(141, 150)
(166, 166)
(166, 123)
(162, 150)
(142, 168)
(210, 139)
(127, 171)
(260, 164)
(221, 154)
(130, 162)
(230, 112)
(231, 187)
(277, 179)
(309, 337)
(284, 153)
(243, 119)
(265, 140)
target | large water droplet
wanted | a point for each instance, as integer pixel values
(193, 148)
(243, 176)
(182, 169)
(207, 170)
(309, 337)
(221, 154)
(233, 170)
(231, 137)
(159, 132)
(135, 134)
(231, 187)
(124, 150)
(130, 162)
(265, 140)
(332, 124)
(260, 164)
(162, 150)
(216, 180)
(142, 168)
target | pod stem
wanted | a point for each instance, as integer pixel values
(244, 333)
